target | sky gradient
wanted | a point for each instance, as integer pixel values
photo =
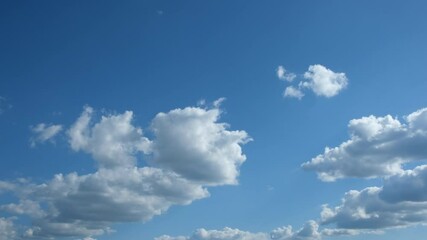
(201, 120)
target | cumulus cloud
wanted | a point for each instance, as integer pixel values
(323, 81)
(73, 205)
(44, 132)
(193, 144)
(400, 202)
(283, 74)
(378, 147)
(308, 232)
(112, 142)
(319, 79)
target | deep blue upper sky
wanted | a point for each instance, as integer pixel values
(154, 56)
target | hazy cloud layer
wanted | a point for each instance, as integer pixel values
(44, 132)
(308, 232)
(378, 146)
(7, 229)
(4, 105)
(73, 205)
(318, 79)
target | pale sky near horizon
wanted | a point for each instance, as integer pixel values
(213, 120)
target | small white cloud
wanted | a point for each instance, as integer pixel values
(44, 132)
(293, 92)
(319, 79)
(113, 141)
(283, 74)
(378, 147)
(323, 81)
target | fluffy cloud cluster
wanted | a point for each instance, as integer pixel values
(378, 147)
(308, 232)
(44, 132)
(190, 150)
(319, 79)
(401, 202)
(191, 143)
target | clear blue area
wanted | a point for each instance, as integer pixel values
(154, 56)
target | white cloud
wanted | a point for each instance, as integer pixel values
(283, 74)
(378, 147)
(308, 232)
(7, 229)
(113, 141)
(44, 132)
(401, 202)
(323, 81)
(192, 143)
(319, 79)
(73, 205)
(293, 92)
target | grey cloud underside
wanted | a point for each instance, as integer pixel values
(73, 205)
(378, 147)
(401, 202)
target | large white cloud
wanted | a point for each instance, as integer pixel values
(401, 202)
(378, 146)
(193, 144)
(44, 132)
(73, 205)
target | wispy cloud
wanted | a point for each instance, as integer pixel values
(283, 74)
(4, 105)
(44, 132)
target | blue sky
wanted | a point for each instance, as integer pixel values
(140, 119)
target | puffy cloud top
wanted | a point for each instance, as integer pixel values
(190, 151)
(323, 81)
(378, 147)
(193, 144)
